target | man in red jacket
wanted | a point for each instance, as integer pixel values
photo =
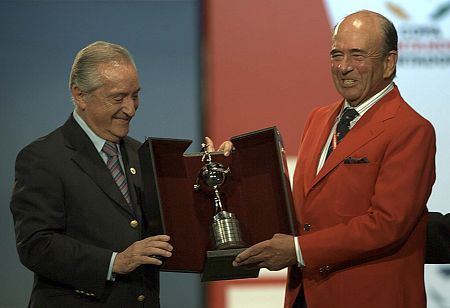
(365, 169)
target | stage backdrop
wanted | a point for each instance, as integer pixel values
(267, 63)
(39, 40)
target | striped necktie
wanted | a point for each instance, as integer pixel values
(342, 128)
(113, 163)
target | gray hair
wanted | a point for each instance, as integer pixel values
(84, 73)
(390, 41)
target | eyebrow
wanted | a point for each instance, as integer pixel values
(353, 50)
(357, 50)
(123, 93)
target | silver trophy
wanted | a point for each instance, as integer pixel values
(226, 232)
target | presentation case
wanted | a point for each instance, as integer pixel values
(257, 191)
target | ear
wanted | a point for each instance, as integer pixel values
(390, 64)
(79, 97)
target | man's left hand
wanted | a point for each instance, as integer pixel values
(274, 254)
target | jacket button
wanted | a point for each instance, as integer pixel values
(141, 298)
(324, 269)
(306, 227)
(134, 223)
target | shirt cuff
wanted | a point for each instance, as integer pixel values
(111, 276)
(298, 253)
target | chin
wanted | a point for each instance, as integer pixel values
(120, 135)
(120, 131)
(349, 97)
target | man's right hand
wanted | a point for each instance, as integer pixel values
(142, 252)
(226, 146)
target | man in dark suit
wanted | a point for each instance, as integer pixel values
(438, 238)
(76, 204)
(364, 172)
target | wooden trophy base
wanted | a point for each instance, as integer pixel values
(218, 266)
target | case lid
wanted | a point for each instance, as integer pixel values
(257, 191)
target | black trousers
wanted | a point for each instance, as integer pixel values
(300, 301)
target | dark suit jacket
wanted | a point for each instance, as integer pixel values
(438, 238)
(363, 225)
(69, 216)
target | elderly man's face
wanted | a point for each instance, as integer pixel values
(358, 66)
(109, 109)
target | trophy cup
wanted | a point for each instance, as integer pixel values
(225, 230)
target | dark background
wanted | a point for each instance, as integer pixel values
(39, 40)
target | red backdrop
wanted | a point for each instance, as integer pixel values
(266, 64)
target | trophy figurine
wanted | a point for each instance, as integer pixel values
(226, 232)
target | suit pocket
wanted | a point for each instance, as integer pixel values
(56, 292)
(355, 184)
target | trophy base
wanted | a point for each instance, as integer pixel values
(218, 266)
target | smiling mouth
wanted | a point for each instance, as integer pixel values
(127, 120)
(348, 82)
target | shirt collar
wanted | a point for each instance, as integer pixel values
(96, 140)
(364, 106)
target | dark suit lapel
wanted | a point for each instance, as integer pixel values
(365, 130)
(88, 159)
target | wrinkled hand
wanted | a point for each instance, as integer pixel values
(142, 252)
(273, 254)
(226, 146)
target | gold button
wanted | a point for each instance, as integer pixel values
(134, 223)
(132, 170)
(141, 298)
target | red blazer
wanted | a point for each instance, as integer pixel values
(363, 225)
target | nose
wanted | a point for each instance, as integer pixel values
(130, 106)
(345, 65)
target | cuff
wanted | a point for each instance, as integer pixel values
(111, 276)
(298, 253)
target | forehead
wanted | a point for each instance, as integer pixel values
(357, 33)
(118, 74)
(115, 69)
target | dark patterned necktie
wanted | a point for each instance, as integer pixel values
(113, 163)
(342, 127)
